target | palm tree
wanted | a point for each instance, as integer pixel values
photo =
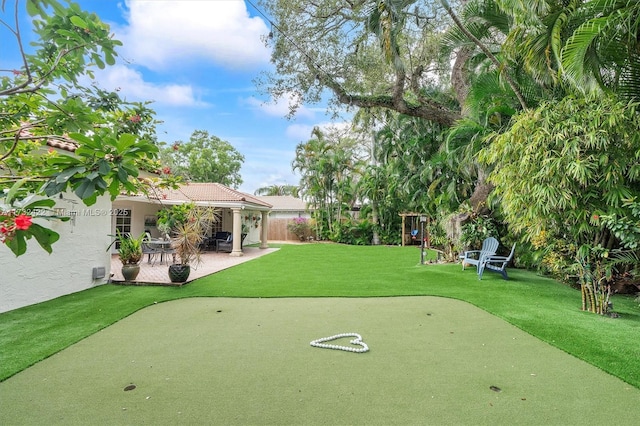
(274, 190)
(604, 51)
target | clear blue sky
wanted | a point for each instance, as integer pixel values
(196, 60)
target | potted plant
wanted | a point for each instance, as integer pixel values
(130, 253)
(186, 243)
(187, 237)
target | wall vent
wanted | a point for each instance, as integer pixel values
(98, 272)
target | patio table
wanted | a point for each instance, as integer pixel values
(163, 245)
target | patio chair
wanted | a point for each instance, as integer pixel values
(148, 249)
(497, 264)
(227, 245)
(220, 237)
(476, 257)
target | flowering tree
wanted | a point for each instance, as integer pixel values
(44, 100)
(16, 221)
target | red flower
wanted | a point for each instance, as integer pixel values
(134, 118)
(3, 230)
(23, 222)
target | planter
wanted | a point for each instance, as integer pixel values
(130, 271)
(179, 273)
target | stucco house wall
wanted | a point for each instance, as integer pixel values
(38, 276)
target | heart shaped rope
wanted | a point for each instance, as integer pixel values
(319, 343)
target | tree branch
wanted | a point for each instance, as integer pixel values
(427, 109)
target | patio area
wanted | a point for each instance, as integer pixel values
(212, 262)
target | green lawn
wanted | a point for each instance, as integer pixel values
(539, 306)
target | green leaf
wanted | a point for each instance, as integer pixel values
(79, 22)
(108, 57)
(18, 244)
(104, 167)
(81, 138)
(40, 203)
(32, 8)
(67, 33)
(86, 189)
(100, 183)
(50, 188)
(65, 175)
(123, 176)
(44, 236)
(125, 141)
(89, 201)
(98, 61)
(14, 190)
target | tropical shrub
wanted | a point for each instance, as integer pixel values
(560, 167)
(300, 228)
(477, 230)
(354, 232)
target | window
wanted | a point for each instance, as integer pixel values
(123, 223)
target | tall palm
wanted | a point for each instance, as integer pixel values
(604, 51)
(327, 164)
(274, 190)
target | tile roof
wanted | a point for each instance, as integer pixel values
(60, 142)
(212, 192)
(66, 145)
(284, 202)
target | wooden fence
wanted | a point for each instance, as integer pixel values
(278, 230)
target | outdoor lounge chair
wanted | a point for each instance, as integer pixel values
(227, 245)
(497, 264)
(476, 257)
(220, 237)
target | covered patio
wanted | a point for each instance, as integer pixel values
(212, 262)
(240, 214)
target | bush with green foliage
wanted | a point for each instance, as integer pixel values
(300, 228)
(559, 168)
(477, 230)
(171, 217)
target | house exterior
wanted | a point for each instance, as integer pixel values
(79, 261)
(284, 209)
(81, 258)
(240, 213)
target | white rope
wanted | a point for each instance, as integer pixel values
(319, 343)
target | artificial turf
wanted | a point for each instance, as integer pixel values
(540, 306)
(248, 361)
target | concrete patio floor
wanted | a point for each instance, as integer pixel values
(212, 262)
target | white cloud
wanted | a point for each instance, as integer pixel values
(131, 86)
(302, 132)
(265, 172)
(164, 34)
(280, 108)
(299, 132)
